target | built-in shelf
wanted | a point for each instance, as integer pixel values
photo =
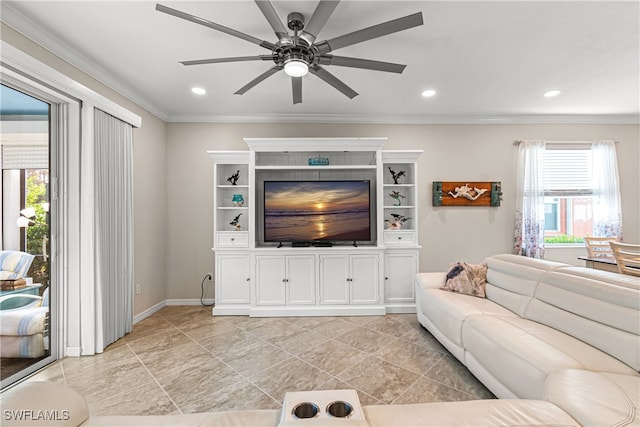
(258, 278)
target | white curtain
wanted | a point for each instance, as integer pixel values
(607, 207)
(113, 183)
(529, 222)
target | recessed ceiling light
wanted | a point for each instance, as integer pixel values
(198, 90)
(552, 93)
(429, 93)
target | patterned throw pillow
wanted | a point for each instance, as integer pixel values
(469, 279)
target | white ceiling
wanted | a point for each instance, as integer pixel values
(490, 62)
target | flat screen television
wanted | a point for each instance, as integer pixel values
(317, 211)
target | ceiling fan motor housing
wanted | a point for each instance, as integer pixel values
(295, 21)
(299, 50)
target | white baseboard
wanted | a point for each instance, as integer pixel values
(194, 301)
(168, 302)
(72, 352)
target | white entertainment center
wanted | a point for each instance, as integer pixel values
(263, 278)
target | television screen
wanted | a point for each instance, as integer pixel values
(306, 211)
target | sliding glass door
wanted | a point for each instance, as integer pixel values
(26, 335)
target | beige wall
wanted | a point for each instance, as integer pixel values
(150, 184)
(452, 153)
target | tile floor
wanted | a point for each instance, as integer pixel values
(183, 360)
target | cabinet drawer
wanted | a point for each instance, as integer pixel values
(233, 239)
(400, 237)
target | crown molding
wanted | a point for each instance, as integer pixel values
(600, 119)
(50, 42)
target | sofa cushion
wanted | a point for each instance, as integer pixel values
(512, 279)
(25, 346)
(602, 310)
(468, 279)
(14, 264)
(477, 413)
(523, 353)
(27, 321)
(595, 398)
(447, 311)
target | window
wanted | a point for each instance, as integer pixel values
(568, 193)
(565, 191)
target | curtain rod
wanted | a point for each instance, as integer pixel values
(518, 141)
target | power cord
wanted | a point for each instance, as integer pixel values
(206, 277)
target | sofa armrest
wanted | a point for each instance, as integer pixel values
(430, 280)
(41, 403)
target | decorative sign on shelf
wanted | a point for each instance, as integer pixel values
(318, 161)
(452, 193)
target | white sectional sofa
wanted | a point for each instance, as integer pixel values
(559, 345)
(545, 331)
(52, 404)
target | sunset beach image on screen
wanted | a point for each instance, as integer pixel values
(307, 211)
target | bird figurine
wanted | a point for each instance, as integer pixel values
(233, 179)
(236, 222)
(397, 221)
(395, 175)
(396, 195)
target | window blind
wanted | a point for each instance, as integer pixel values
(567, 172)
(25, 157)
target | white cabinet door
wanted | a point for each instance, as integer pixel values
(400, 270)
(233, 279)
(334, 271)
(270, 280)
(300, 279)
(364, 279)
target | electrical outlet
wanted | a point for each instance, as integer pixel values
(210, 278)
(138, 289)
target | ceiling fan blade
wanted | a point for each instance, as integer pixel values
(372, 32)
(296, 85)
(367, 64)
(269, 12)
(213, 25)
(333, 81)
(271, 71)
(318, 19)
(230, 59)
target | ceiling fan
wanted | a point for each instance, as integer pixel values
(299, 53)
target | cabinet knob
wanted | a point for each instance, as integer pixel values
(233, 238)
(248, 279)
(386, 278)
(399, 238)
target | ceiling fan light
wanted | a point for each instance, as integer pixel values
(296, 68)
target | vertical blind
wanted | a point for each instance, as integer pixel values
(113, 228)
